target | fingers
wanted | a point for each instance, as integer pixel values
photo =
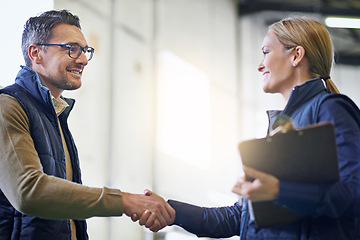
(171, 213)
(238, 185)
(151, 220)
(165, 213)
(161, 222)
(151, 210)
(246, 190)
(147, 192)
(168, 213)
(264, 187)
(144, 217)
(160, 217)
(134, 217)
(156, 226)
(251, 172)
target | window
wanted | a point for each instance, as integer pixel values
(18, 11)
(183, 111)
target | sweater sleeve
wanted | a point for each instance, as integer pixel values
(218, 222)
(30, 190)
(341, 197)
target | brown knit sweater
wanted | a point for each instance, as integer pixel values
(31, 191)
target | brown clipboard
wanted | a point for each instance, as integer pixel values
(304, 155)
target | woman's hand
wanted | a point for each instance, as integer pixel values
(149, 219)
(265, 187)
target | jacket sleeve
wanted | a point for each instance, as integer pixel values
(219, 222)
(342, 197)
(30, 190)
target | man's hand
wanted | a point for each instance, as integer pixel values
(150, 209)
(265, 187)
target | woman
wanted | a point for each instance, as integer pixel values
(296, 63)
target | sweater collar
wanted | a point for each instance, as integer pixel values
(299, 95)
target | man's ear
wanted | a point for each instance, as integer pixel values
(298, 55)
(34, 53)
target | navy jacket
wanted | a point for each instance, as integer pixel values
(37, 102)
(334, 208)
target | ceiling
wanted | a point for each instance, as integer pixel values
(346, 41)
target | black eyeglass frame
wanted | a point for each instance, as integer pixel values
(69, 46)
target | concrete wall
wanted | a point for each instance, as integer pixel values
(119, 113)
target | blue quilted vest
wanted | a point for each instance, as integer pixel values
(37, 103)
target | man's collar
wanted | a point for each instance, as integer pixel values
(59, 103)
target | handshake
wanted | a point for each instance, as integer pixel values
(150, 209)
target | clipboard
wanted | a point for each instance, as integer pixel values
(304, 155)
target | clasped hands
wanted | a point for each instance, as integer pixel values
(155, 213)
(150, 209)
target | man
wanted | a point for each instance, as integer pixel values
(41, 193)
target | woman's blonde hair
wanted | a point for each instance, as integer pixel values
(314, 38)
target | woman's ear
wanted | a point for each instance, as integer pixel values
(34, 53)
(298, 55)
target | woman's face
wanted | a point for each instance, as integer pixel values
(276, 66)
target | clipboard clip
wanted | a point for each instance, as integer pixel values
(282, 124)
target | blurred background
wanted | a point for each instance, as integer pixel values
(174, 88)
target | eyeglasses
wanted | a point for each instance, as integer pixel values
(74, 49)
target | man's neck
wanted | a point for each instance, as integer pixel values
(55, 94)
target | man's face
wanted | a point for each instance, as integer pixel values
(58, 70)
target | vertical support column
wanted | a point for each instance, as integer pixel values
(111, 106)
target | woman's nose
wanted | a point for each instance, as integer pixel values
(261, 67)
